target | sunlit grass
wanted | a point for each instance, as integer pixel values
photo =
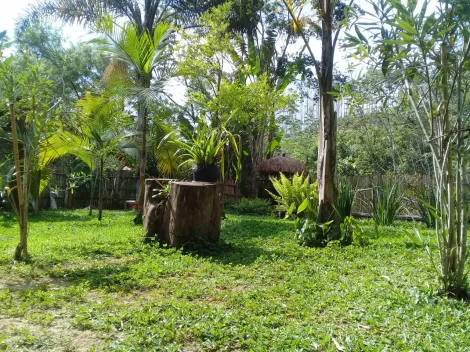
(257, 291)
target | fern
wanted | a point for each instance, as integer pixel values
(295, 197)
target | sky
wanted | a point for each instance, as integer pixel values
(11, 10)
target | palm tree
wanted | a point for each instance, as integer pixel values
(143, 53)
(146, 28)
(95, 139)
(144, 15)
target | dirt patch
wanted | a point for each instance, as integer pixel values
(21, 335)
(20, 284)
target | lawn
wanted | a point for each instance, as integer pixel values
(95, 286)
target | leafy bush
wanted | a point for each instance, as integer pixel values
(351, 232)
(386, 203)
(345, 200)
(311, 234)
(245, 206)
(297, 196)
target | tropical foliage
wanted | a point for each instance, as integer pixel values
(295, 197)
(166, 85)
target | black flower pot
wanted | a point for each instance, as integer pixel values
(205, 173)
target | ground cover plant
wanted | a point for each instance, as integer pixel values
(246, 206)
(95, 286)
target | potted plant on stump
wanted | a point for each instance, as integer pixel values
(205, 151)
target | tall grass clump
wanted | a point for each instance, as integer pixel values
(386, 203)
(425, 203)
(345, 200)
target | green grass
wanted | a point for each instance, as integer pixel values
(96, 286)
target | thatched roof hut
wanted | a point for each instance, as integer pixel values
(288, 166)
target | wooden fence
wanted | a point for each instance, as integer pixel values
(119, 187)
(410, 185)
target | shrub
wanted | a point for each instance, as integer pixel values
(386, 203)
(296, 197)
(311, 234)
(245, 206)
(351, 232)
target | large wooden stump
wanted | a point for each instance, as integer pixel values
(192, 211)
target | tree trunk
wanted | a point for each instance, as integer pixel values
(193, 212)
(326, 166)
(37, 193)
(100, 191)
(461, 191)
(92, 194)
(142, 113)
(21, 252)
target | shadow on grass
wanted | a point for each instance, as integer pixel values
(7, 219)
(241, 244)
(244, 230)
(240, 241)
(110, 277)
(59, 216)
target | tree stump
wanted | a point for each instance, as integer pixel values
(154, 210)
(192, 211)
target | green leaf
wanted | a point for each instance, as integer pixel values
(359, 34)
(291, 210)
(395, 41)
(406, 37)
(303, 206)
(415, 237)
(406, 26)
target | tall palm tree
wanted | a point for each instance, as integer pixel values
(144, 54)
(146, 30)
(145, 15)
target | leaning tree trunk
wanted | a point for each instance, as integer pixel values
(326, 166)
(142, 113)
(21, 252)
